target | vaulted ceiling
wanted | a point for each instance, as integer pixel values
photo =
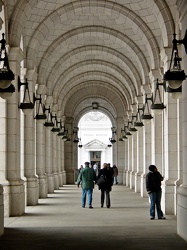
(92, 50)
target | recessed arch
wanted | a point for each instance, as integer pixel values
(124, 43)
(109, 112)
(84, 83)
(95, 66)
(98, 52)
(114, 101)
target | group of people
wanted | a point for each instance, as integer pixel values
(88, 178)
(105, 179)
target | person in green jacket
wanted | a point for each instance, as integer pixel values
(87, 177)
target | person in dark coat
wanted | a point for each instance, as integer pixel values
(86, 178)
(106, 187)
(153, 187)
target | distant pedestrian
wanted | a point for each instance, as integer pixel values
(87, 177)
(81, 167)
(78, 171)
(95, 168)
(153, 186)
(115, 174)
(106, 187)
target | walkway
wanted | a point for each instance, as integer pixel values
(59, 222)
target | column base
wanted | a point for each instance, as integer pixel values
(143, 190)
(60, 179)
(70, 177)
(16, 197)
(6, 197)
(167, 202)
(64, 178)
(182, 212)
(132, 179)
(127, 178)
(56, 181)
(137, 182)
(1, 211)
(50, 180)
(32, 191)
(43, 188)
(124, 177)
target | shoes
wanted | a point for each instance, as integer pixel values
(108, 206)
(152, 218)
(162, 218)
(101, 205)
(83, 206)
(90, 207)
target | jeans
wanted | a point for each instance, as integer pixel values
(107, 192)
(115, 180)
(84, 193)
(155, 199)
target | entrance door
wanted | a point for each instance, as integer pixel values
(95, 158)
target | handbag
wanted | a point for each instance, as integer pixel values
(102, 180)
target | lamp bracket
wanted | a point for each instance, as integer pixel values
(21, 83)
(37, 98)
(149, 98)
(161, 84)
(182, 41)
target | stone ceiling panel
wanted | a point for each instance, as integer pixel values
(71, 42)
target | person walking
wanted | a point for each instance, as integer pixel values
(115, 174)
(153, 187)
(105, 187)
(87, 177)
(95, 168)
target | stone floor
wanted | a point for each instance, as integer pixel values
(59, 222)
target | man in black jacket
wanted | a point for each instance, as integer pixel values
(153, 186)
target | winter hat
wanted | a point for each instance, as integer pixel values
(152, 167)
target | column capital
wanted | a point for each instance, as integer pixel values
(182, 8)
(16, 54)
(32, 75)
(139, 99)
(155, 74)
(145, 89)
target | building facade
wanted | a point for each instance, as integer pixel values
(80, 55)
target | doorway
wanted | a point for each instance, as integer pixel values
(94, 131)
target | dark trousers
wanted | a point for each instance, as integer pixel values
(155, 199)
(107, 194)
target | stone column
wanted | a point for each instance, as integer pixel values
(171, 155)
(3, 158)
(54, 161)
(125, 162)
(179, 179)
(75, 160)
(139, 170)
(129, 163)
(120, 152)
(1, 211)
(159, 148)
(134, 161)
(16, 184)
(29, 150)
(3, 181)
(147, 155)
(59, 152)
(48, 160)
(62, 162)
(158, 139)
(41, 160)
(68, 161)
(182, 191)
